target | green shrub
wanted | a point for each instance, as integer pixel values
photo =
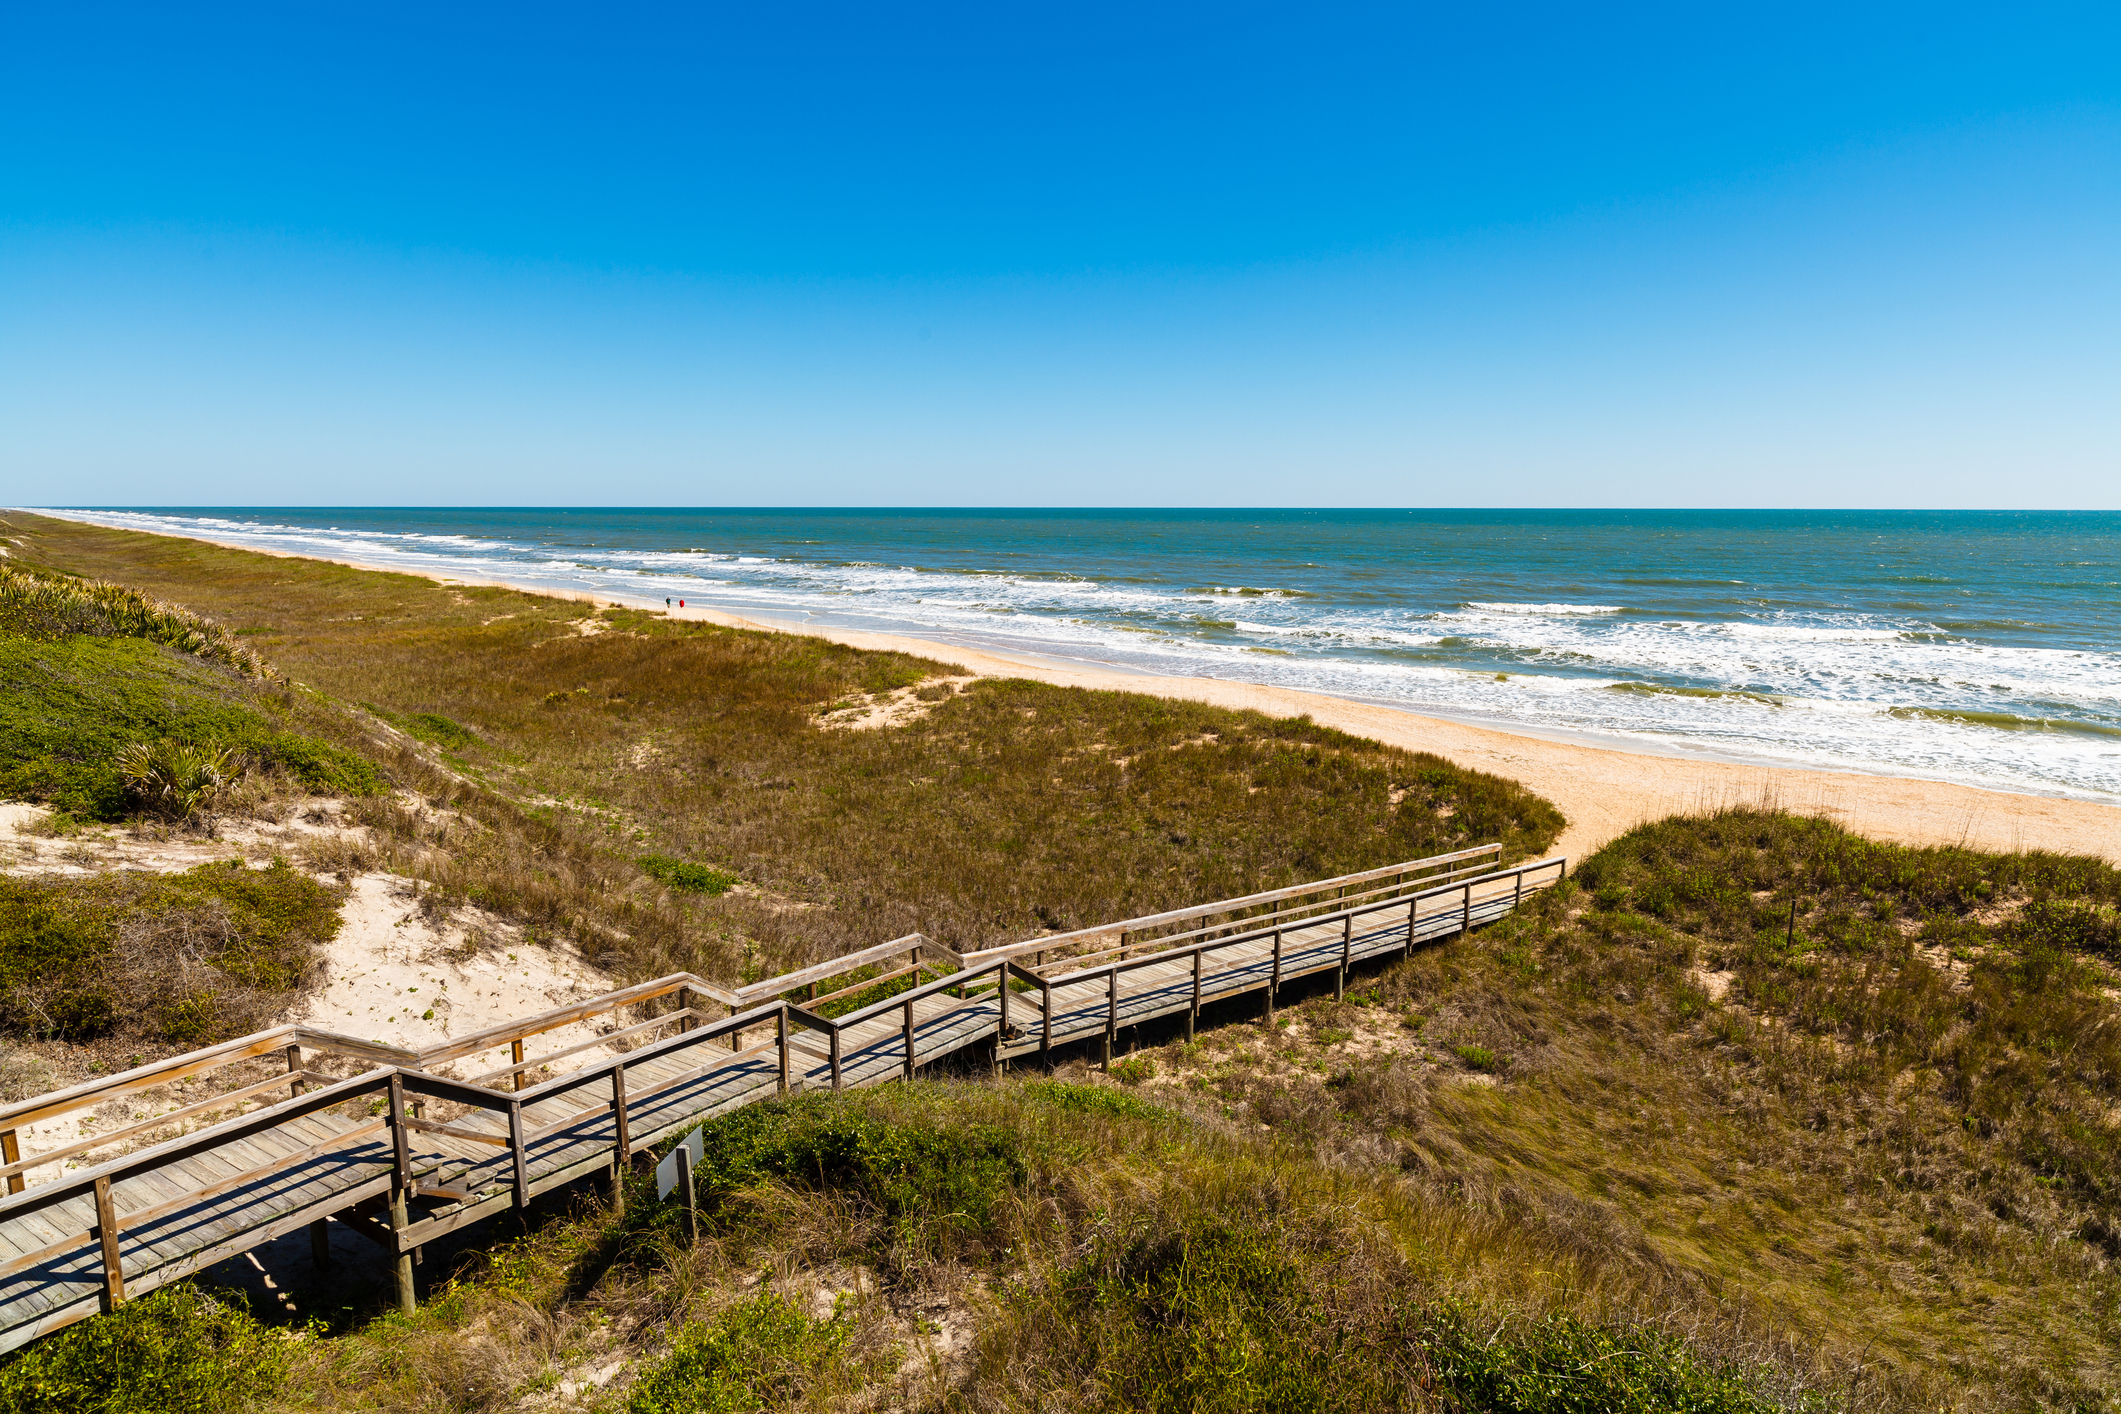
(1480, 1058)
(1561, 1365)
(679, 874)
(1090, 1099)
(436, 728)
(919, 1178)
(754, 1355)
(1134, 1070)
(188, 957)
(177, 1350)
(174, 778)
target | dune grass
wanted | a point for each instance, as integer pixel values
(1866, 1095)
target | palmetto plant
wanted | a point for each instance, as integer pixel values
(175, 778)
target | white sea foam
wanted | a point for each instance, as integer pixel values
(1545, 609)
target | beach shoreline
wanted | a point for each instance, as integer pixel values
(1603, 790)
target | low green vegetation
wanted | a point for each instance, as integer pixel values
(180, 1350)
(74, 707)
(759, 1354)
(182, 958)
(682, 874)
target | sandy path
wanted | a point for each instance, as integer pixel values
(1603, 791)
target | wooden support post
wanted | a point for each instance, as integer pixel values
(107, 1235)
(515, 1056)
(622, 1137)
(1274, 977)
(1193, 1011)
(11, 1152)
(686, 1003)
(320, 1246)
(780, 1035)
(517, 1151)
(400, 1143)
(1413, 909)
(1122, 945)
(907, 1031)
(398, 1223)
(1518, 898)
(1001, 1023)
(1347, 952)
(294, 1063)
(1111, 1014)
(1045, 1028)
(401, 1179)
(835, 1060)
(1465, 924)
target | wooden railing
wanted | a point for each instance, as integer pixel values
(1286, 905)
(406, 1084)
(288, 1041)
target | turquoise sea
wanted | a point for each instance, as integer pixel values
(1975, 646)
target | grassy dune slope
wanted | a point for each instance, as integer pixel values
(1865, 1095)
(575, 743)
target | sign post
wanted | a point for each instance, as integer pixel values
(674, 1173)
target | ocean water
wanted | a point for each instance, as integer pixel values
(1982, 647)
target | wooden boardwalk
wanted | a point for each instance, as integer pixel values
(404, 1154)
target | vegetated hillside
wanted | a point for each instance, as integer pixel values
(1022, 1247)
(1865, 1096)
(570, 745)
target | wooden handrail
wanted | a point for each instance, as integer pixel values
(818, 972)
(1203, 910)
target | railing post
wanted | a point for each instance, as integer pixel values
(1465, 925)
(11, 1152)
(835, 1060)
(736, 1038)
(320, 1230)
(1045, 1027)
(685, 1004)
(515, 1057)
(1111, 1013)
(517, 1151)
(907, 1031)
(781, 1037)
(1347, 949)
(400, 1190)
(1518, 897)
(107, 1235)
(622, 1137)
(1001, 1025)
(1274, 977)
(1193, 1011)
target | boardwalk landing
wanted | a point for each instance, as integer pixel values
(403, 1154)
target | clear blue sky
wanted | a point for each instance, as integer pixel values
(803, 254)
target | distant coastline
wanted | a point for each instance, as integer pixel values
(1604, 789)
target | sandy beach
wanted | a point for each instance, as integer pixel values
(1603, 791)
